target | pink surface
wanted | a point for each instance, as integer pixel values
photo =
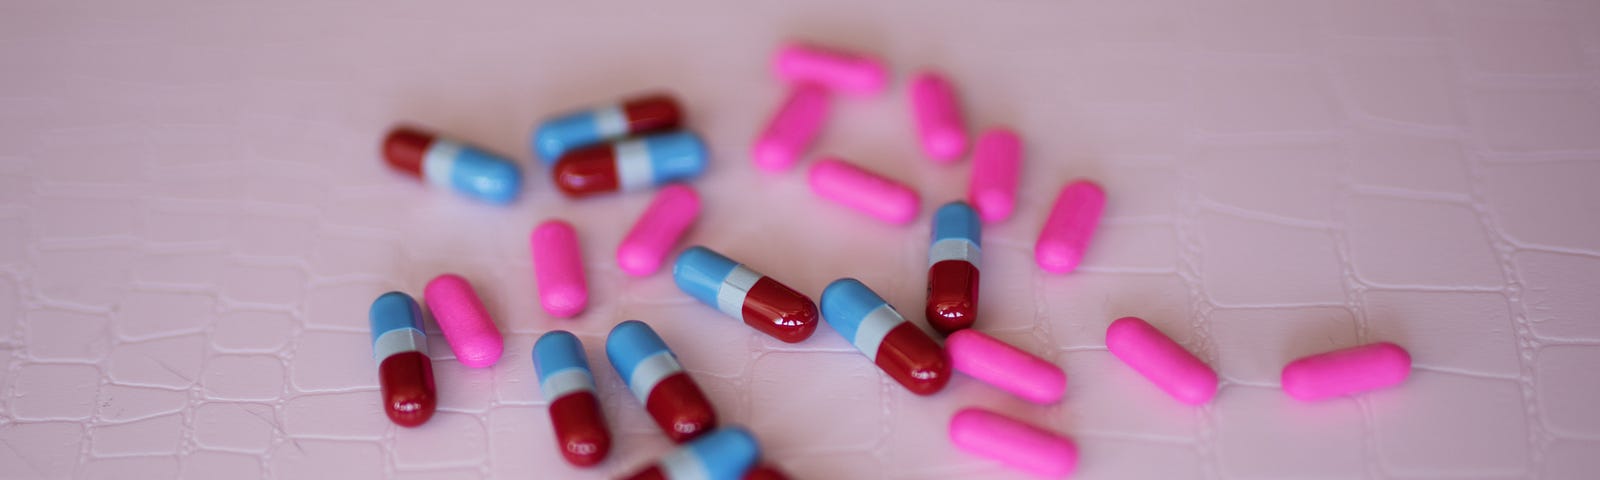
(467, 326)
(193, 221)
(863, 190)
(657, 231)
(1005, 366)
(1346, 371)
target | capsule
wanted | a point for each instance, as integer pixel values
(1010, 368)
(453, 165)
(837, 70)
(568, 384)
(1163, 361)
(953, 258)
(401, 348)
(1346, 372)
(865, 191)
(995, 163)
(652, 237)
(558, 268)
(724, 454)
(1013, 442)
(766, 305)
(897, 346)
(636, 116)
(466, 325)
(659, 382)
(763, 471)
(938, 116)
(1072, 221)
(631, 164)
(792, 129)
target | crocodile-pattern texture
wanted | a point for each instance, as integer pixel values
(194, 219)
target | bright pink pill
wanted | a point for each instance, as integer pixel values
(1072, 221)
(466, 324)
(1346, 372)
(837, 70)
(864, 191)
(1011, 369)
(792, 128)
(558, 267)
(938, 116)
(666, 219)
(1163, 361)
(1013, 442)
(995, 166)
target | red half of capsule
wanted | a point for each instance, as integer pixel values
(765, 472)
(652, 472)
(952, 296)
(580, 428)
(914, 360)
(408, 393)
(587, 171)
(652, 113)
(779, 311)
(405, 148)
(680, 408)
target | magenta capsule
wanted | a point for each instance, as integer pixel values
(1072, 221)
(839, 71)
(558, 267)
(466, 324)
(1346, 372)
(655, 233)
(1013, 442)
(938, 116)
(1010, 368)
(1163, 361)
(995, 166)
(865, 191)
(792, 128)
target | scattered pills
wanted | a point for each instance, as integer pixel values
(837, 70)
(629, 165)
(405, 374)
(724, 454)
(568, 384)
(897, 346)
(938, 117)
(1072, 222)
(792, 128)
(1163, 361)
(953, 259)
(740, 292)
(1346, 372)
(996, 162)
(558, 269)
(1012, 442)
(655, 233)
(1007, 367)
(636, 116)
(466, 325)
(656, 378)
(864, 191)
(453, 165)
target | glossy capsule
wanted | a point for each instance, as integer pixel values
(656, 378)
(763, 471)
(1161, 360)
(792, 128)
(1346, 372)
(953, 256)
(996, 162)
(724, 454)
(897, 346)
(1066, 233)
(838, 70)
(1013, 442)
(636, 116)
(864, 190)
(568, 384)
(631, 164)
(558, 267)
(453, 165)
(658, 229)
(472, 335)
(938, 115)
(1006, 367)
(405, 373)
(761, 302)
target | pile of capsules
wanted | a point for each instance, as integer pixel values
(636, 145)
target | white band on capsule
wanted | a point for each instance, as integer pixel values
(954, 249)
(730, 296)
(399, 340)
(874, 327)
(439, 161)
(611, 122)
(566, 381)
(651, 371)
(633, 165)
(683, 464)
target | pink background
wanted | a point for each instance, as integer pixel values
(194, 219)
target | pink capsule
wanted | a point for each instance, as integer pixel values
(865, 191)
(938, 116)
(1010, 368)
(664, 222)
(1013, 442)
(1346, 372)
(1163, 361)
(792, 128)
(840, 71)
(466, 324)
(1072, 221)
(995, 166)
(558, 267)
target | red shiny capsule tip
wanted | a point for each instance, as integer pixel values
(587, 171)
(914, 360)
(580, 429)
(405, 148)
(408, 393)
(765, 472)
(779, 311)
(952, 296)
(680, 408)
(652, 113)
